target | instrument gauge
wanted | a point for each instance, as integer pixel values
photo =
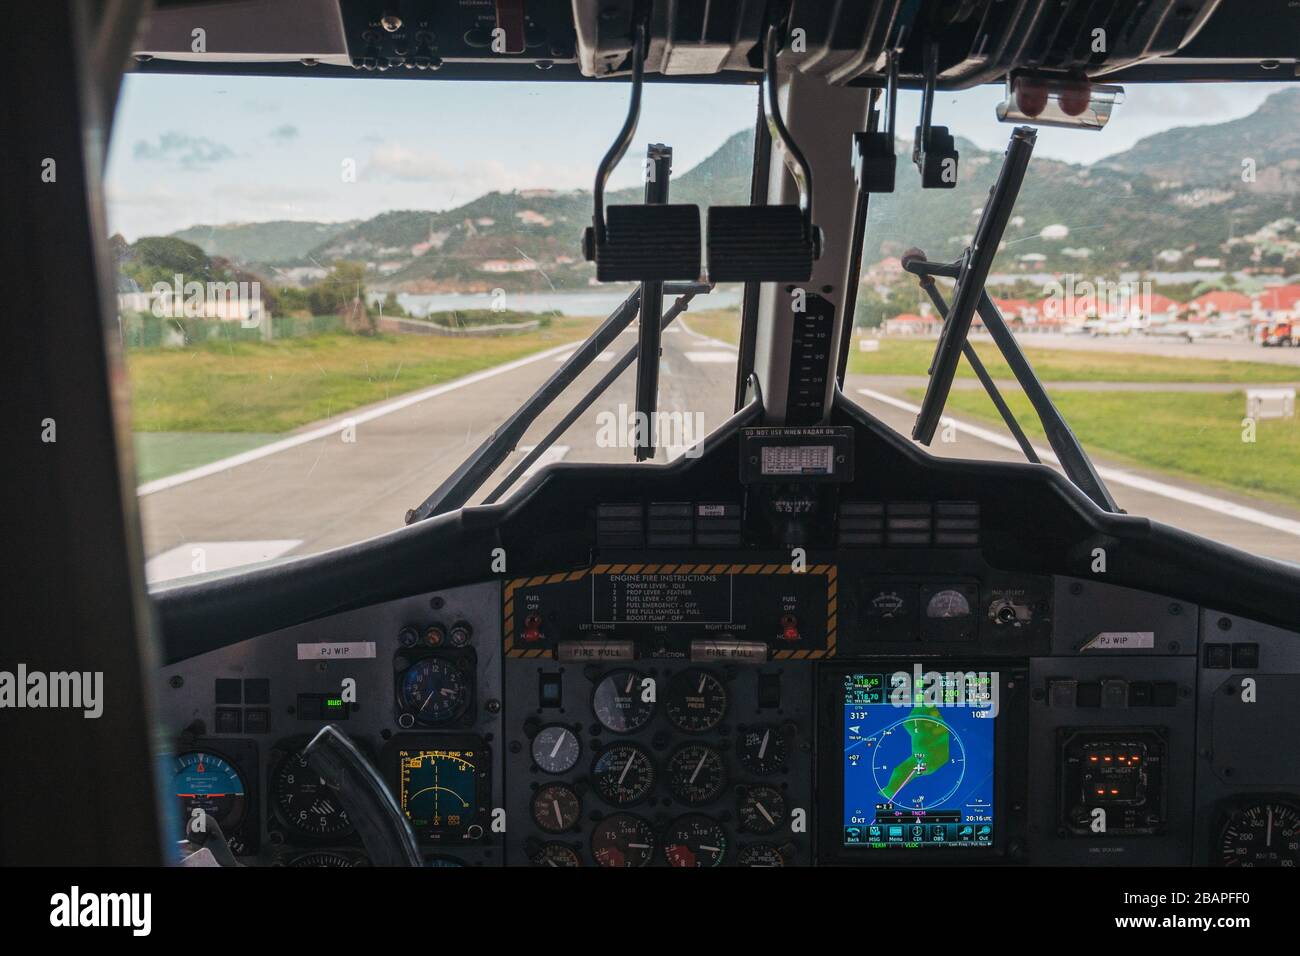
(620, 702)
(623, 774)
(762, 749)
(556, 807)
(760, 854)
(696, 773)
(622, 840)
(1261, 834)
(697, 701)
(434, 690)
(207, 782)
(761, 810)
(948, 603)
(695, 841)
(304, 802)
(555, 853)
(556, 749)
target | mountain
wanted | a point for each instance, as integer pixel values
(1172, 198)
(1212, 156)
(520, 240)
(284, 242)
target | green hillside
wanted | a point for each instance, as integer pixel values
(283, 242)
(1179, 190)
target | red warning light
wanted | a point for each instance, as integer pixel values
(1075, 97)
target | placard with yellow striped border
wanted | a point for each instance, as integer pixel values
(512, 647)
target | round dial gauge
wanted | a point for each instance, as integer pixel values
(696, 773)
(761, 810)
(327, 858)
(1262, 834)
(204, 781)
(697, 701)
(760, 854)
(949, 603)
(556, 807)
(556, 749)
(623, 774)
(762, 749)
(555, 853)
(620, 704)
(434, 690)
(694, 840)
(622, 839)
(304, 802)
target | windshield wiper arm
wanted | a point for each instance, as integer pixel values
(478, 467)
(573, 414)
(1065, 444)
(972, 357)
(970, 283)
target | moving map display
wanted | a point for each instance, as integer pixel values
(918, 758)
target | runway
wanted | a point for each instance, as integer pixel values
(354, 476)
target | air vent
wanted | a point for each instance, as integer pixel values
(717, 524)
(862, 524)
(620, 525)
(957, 523)
(669, 525)
(907, 523)
(876, 524)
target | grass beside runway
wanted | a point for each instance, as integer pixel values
(901, 356)
(195, 405)
(1195, 435)
(898, 356)
(275, 387)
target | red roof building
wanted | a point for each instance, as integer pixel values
(1219, 303)
(1280, 298)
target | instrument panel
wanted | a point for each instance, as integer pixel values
(726, 713)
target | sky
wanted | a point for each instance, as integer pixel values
(212, 149)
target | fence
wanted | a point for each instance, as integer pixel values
(145, 331)
(423, 327)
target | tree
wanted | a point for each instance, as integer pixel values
(392, 306)
(343, 292)
(162, 258)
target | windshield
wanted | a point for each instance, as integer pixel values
(331, 292)
(1151, 274)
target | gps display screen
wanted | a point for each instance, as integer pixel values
(918, 758)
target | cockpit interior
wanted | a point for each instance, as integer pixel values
(805, 639)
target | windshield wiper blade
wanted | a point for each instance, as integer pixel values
(1065, 444)
(970, 283)
(479, 466)
(971, 297)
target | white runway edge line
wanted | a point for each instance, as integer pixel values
(324, 431)
(1115, 477)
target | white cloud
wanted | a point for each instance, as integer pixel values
(396, 161)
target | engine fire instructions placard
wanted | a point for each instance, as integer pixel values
(664, 607)
(661, 598)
